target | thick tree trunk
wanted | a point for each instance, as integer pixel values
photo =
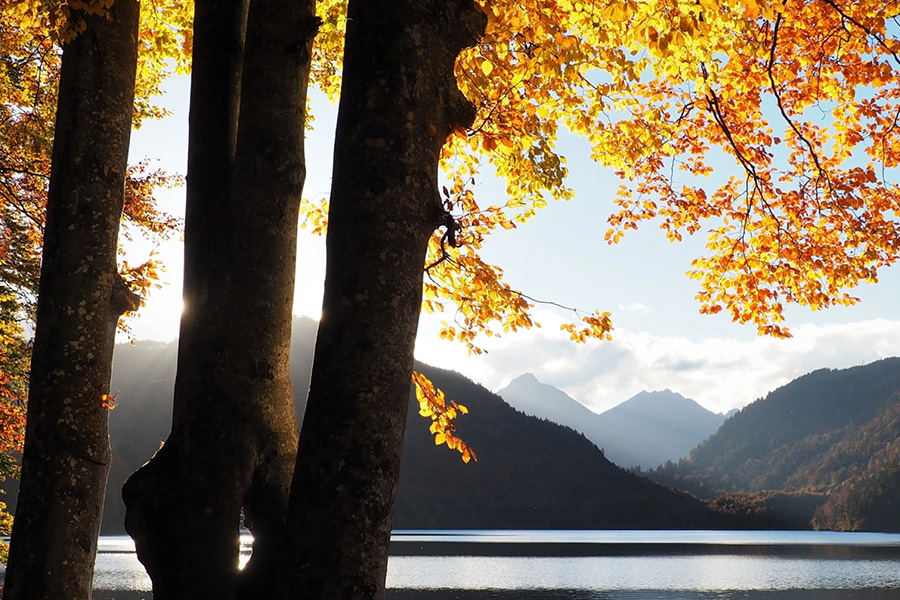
(66, 458)
(399, 101)
(234, 434)
(155, 495)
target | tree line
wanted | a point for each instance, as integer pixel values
(818, 452)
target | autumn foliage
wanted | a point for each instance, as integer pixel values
(433, 405)
(30, 37)
(800, 98)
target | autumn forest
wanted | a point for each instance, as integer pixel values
(802, 98)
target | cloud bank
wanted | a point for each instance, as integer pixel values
(719, 373)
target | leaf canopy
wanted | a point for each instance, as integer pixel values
(800, 97)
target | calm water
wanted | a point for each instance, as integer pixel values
(603, 565)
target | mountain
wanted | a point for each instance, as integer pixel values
(831, 432)
(528, 395)
(667, 424)
(529, 474)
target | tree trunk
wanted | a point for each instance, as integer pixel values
(399, 101)
(66, 457)
(234, 433)
(155, 496)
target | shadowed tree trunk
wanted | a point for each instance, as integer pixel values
(234, 433)
(155, 496)
(81, 297)
(399, 101)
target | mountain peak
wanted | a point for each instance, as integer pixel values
(528, 395)
(655, 400)
(668, 424)
(525, 378)
(665, 392)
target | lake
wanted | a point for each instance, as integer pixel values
(602, 565)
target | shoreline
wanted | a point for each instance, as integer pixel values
(576, 594)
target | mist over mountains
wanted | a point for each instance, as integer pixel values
(831, 433)
(822, 451)
(645, 431)
(530, 474)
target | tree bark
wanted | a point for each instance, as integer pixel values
(399, 102)
(81, 297)
(234, 432)
(155, 494)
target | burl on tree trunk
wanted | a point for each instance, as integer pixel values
(81, 297)
(399, 102)
(234, 432)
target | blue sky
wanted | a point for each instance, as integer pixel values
(660, 341)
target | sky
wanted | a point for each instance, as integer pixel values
(660, 340)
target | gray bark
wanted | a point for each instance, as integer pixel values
(399, 101)
(81, 297)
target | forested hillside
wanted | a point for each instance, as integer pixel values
(822, 451)
(530, 473)
(832, 432)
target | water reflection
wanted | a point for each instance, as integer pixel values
(667, 566)
(589, 595)
(639, 595)
(683, 573)
(652, 537)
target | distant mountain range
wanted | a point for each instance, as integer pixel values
(835, 433)
(645, 431)
(821, 451)
(530, 474)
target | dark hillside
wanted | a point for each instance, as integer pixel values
(829, 437)
(530, 473)
(770, 443)
(870, 502)
(143, 383)
(854, 452)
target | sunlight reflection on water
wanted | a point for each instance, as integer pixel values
(661, 575)
(120, 572)
(697, 573)
(118, 568)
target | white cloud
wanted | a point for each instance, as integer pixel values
(635, 307)
(719, 373)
